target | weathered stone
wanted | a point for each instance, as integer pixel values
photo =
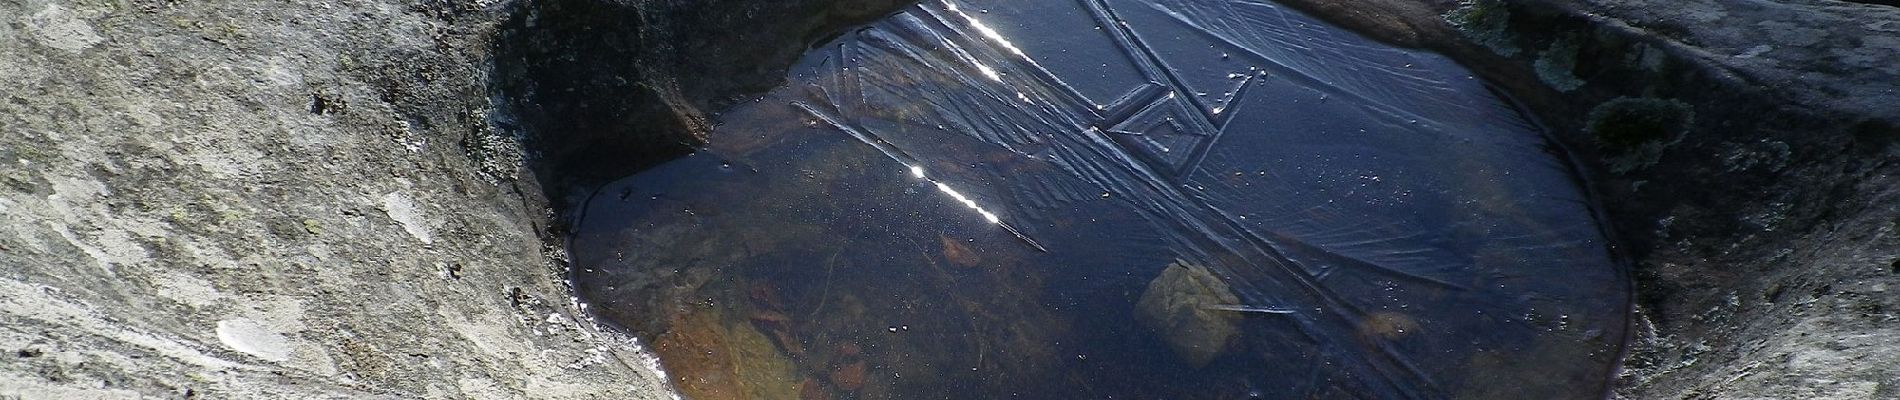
(228, 199)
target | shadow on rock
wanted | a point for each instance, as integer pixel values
(600, 89)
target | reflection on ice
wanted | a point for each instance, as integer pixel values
(988, 33)
(1232, 196)
(987, 216)
(918, 171)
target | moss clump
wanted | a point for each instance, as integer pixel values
(1633, 132)
(1625, 123)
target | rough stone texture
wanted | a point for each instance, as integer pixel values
(1767, 274)
(1820, 53)
(235, 199)
(1764, 236)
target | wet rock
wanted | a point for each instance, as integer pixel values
(575, 78)
(1178, 305)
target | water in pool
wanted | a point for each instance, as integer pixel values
(1153, 199)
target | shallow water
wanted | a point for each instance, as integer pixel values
(1113, 199)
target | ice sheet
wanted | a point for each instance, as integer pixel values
(1394, 228)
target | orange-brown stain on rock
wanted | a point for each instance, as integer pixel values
(710, 358)
(958, 252)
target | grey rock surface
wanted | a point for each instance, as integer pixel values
(1825, 53)
(232, 199)
(1768, 233)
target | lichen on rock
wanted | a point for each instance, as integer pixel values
(1487, 23)
(1556, 65)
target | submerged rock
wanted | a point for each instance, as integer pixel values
(712, 358)
(1179, 305)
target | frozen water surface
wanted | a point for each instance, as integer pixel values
(1114, 199)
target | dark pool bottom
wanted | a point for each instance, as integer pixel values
(1175, 199)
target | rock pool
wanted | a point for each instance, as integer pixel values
(1113, 199)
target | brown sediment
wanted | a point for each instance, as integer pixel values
(711, 359)
(850, 376)
(959, 253)
(810, 389)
